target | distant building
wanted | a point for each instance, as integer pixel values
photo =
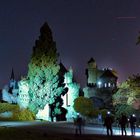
(10, 91)
(73, 89)
(101, 85)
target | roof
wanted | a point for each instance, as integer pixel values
(62, 70)
(12, 75)
(91, 60)
(108, 73)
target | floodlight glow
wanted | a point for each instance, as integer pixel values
(108, 112)
(134, 115)
(99, 83)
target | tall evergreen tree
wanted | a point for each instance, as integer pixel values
(44, 85)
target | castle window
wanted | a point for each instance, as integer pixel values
(109, 85)
(105, 85)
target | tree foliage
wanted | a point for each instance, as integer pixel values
(5, 107)
(17, 113)
(43, 68)
(127, 98)
(23, 115)
(123, 108)
(83, 105)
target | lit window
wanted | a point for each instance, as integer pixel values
(105, 85)
(109, 84)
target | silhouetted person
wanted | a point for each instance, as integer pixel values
(123, 122)
(108, 124)
(78, 123)
(132, 122)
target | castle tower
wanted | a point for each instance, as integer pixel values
(12, 75)
(91, 73)
(12, 80)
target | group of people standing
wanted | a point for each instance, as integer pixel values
(122, 122)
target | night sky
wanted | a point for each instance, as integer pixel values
(106, 30)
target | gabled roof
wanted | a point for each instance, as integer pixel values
(62, 70)
(108, 73)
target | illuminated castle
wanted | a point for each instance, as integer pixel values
(101, 84)
(105, 78)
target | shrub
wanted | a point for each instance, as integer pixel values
(23, 115)
(5, 107)
(18, 114)
(83, 105)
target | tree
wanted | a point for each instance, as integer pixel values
(127, 98)
(44, 86)
(83, 105)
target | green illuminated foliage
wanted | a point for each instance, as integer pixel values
(84, 106)
(123, 108)
(129, 91)
(23, 115)
(127, 98)
(4, 107)
(17, 113)
(43, 68)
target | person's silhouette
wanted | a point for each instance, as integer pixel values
(123, 122)
(132, 122)
(78, 124)
(108, 123)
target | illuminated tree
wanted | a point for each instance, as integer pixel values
(127, 98)
(44, 87)
(83, 105)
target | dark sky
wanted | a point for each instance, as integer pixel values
(103, 29)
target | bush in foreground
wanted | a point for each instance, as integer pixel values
(17, 113)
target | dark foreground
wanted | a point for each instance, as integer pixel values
(51, 131)
(28, 135)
